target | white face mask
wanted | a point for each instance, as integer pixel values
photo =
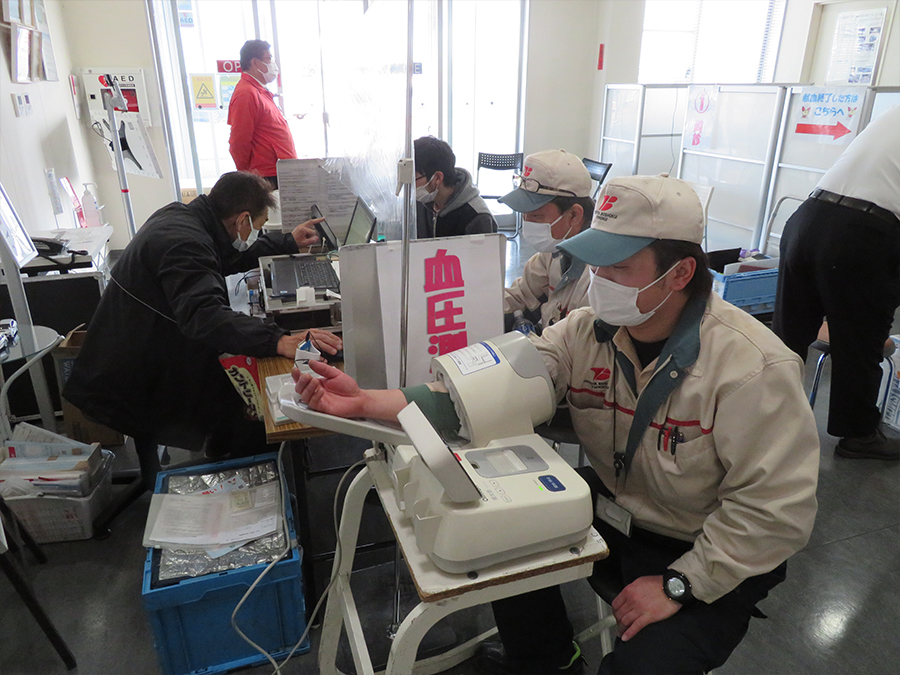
(270, 71)
(424, 195)
(242, 245)
(539, 235)
(617, 304)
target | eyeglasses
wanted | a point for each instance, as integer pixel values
(531, 185)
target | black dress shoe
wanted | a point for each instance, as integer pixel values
(490, 659)
(874, 446)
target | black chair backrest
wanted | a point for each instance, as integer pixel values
(598, 171)
(511, 162)
(501, 162)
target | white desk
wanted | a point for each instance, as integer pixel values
(440, 593)
(91, 240)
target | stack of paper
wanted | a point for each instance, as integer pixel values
(37, 461)
(216, 521)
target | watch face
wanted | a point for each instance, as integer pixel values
(675, 586)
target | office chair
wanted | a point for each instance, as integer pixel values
(511, 162)
(598, 171)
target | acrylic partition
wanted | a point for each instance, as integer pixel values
(364, 81)
(729, 140)
(642, 128)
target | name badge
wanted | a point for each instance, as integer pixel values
(613, 515)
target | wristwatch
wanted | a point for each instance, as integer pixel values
(677, 587)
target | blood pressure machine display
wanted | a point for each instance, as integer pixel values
(504, 494)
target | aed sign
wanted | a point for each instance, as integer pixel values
(228, 66)
(130, 81)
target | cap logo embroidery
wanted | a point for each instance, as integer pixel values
(601, 373)
(527, 171)
(608, 201)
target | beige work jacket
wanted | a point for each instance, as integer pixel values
(541, 277)
(740, 481)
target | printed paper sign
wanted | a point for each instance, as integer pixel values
(700, 120)
(827, 115)
(204, 89)
(855, 47)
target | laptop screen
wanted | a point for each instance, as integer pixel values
(326, 234)
(362, 225)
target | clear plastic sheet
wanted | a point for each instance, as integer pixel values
(364, 65)
(176, 564)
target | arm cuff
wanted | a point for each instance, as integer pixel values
(435, 405)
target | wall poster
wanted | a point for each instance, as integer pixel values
(855, 47)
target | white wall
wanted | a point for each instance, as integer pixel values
(620, 28)
(562, 56)
(114, 33)
(794, 33)
(564, 88)
(49, 138)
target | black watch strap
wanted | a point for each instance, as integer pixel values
(677, 587)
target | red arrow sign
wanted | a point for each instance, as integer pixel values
(835, 130)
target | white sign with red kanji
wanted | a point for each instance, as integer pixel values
(700, 118)
(455, 299)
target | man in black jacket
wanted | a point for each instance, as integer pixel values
(448, 205)
(149, 367)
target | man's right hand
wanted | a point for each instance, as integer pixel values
(335, 393)
(305, 233)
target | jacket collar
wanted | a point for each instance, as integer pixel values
(202, 208)
(252, 81)
(683, 345)
(573, 269)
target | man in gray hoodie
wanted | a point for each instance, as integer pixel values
(448, 205)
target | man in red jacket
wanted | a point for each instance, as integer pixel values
(259, 133)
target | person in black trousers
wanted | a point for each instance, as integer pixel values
(840, 260)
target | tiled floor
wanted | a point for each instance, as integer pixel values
(837, 612)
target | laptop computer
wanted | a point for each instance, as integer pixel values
(362, 225)
(289, 274)
(326, 234)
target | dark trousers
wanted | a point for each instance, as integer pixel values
(695, 639)
(843, 264)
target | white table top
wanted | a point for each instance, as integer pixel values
(88, 239)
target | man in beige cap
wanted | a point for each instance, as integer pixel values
(703, 449)
(553, 193)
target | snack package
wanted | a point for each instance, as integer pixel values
(243, 372)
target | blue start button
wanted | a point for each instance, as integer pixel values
(552, 483)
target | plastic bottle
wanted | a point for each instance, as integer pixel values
(521, 324)
(92, 217)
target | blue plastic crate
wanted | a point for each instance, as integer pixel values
(753, 292)
(191, 619)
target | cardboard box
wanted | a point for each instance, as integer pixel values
(77, 425)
